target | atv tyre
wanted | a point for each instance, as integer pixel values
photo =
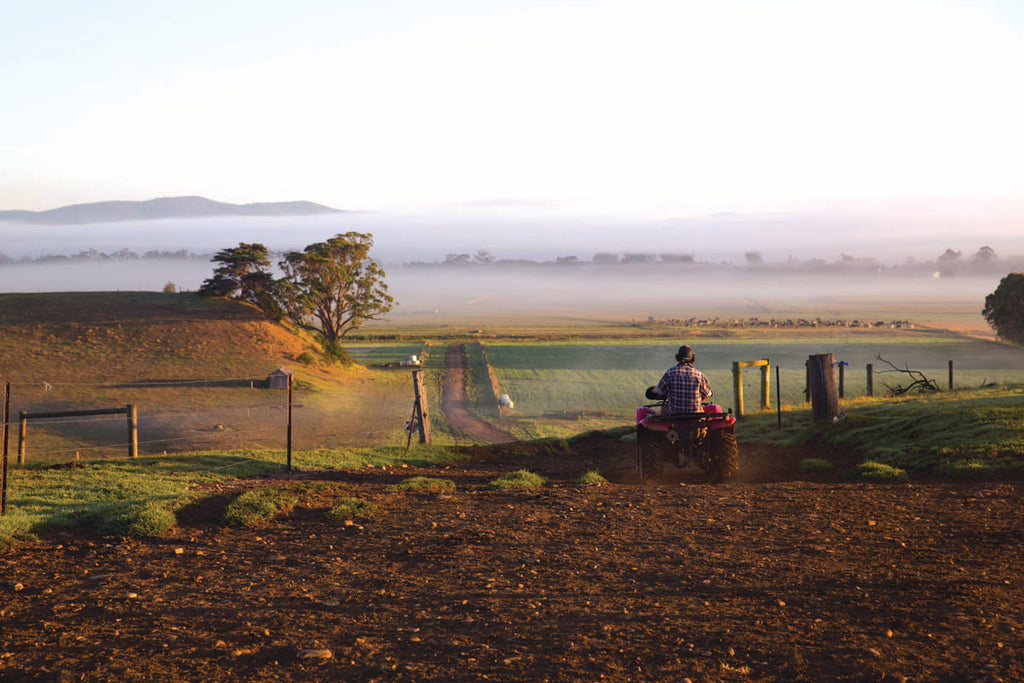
(650, 454)
(725, 456)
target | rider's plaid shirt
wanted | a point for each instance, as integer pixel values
(684, 388)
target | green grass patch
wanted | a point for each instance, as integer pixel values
(592, 478)
(424, 485)
(348, 508)
(816, 466)
(877, 472)
(976, 433)
(520, 479)
(259, 506)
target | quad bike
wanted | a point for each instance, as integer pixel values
(707, 438)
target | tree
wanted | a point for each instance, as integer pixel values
(244, 275)
(241, 270)
(333, 287)
(1004, 308)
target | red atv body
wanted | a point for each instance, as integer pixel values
(707, 439)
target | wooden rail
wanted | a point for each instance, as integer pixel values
(129, 410)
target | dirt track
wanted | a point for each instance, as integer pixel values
(454, 404)
(771, 578)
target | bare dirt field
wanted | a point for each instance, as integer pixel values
(772, 577)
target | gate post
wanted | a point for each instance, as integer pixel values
(822, 387)
(737, 387)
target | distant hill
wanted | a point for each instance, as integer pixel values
(163, 207)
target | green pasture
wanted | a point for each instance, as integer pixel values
(378, 354)
(610, 376)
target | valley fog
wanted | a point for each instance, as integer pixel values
(469, 266)
(480, 294)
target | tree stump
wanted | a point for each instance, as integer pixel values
(822, 387)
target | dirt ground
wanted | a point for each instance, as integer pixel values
(772, 577)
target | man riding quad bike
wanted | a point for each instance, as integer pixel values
(685, 429)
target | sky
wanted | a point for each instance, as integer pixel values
(656, 107)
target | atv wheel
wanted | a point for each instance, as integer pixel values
(649, 453)
(725, 456)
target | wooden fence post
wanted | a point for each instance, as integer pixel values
(807, 382)
(133, 432)
(822, 387)
(288, 457)
(951, 375)
(21, 437)
(3, 463)
(871, 380)
(766, 389)
(737, 387)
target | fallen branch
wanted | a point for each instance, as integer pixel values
(920, 384)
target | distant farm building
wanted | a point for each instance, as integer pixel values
(278, 379)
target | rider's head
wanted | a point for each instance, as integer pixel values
(685, 354)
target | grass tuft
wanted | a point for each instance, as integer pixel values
(424, 485)
(816, 466)
(259, 506)
(877, 472)
(351, 508)
(592, 478)
(520, 479)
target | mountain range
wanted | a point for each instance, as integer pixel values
(163, 207)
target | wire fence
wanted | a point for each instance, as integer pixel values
(186, 415)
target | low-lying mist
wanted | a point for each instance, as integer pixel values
(471, 267)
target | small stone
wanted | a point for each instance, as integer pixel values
(888, 633)
(18, 587)
(315, 654)
(132, 596)
(179, 551)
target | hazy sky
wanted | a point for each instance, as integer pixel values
(579, 105)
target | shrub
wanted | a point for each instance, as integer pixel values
(336, 353)
(306, 358)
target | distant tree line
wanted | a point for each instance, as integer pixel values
(950, 262)
(96, 255)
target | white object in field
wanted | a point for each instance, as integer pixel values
(505, 400)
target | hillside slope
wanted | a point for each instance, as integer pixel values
(196, 370)
(126, 336)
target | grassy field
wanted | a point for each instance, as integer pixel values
(194, 368)
(610, 376)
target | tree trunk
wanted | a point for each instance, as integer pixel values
(822, 386)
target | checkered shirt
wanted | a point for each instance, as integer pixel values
(684, 388)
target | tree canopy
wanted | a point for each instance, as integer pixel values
(1004, 308)
(333, 287)
(328, 288)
